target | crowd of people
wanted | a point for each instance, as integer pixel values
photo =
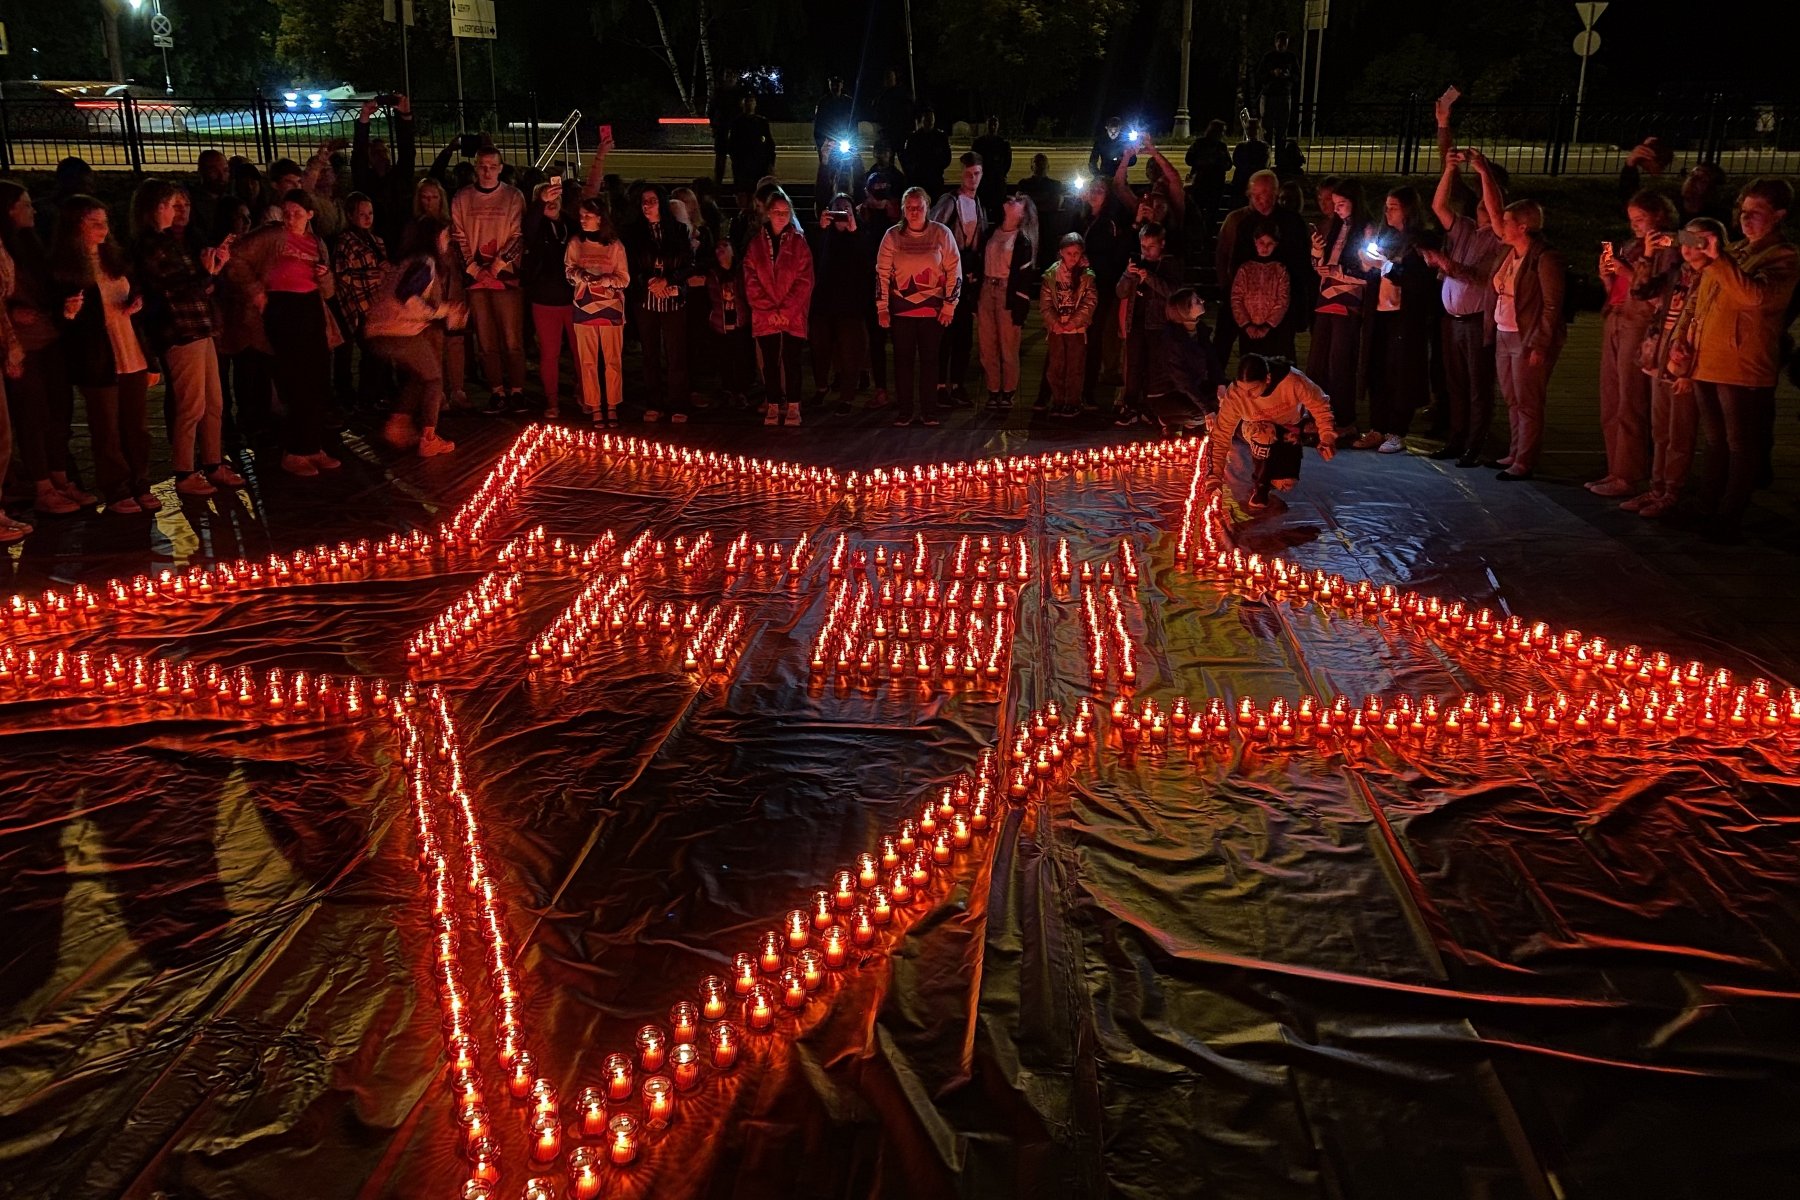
(273, 302)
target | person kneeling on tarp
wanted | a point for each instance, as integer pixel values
(1269, 402)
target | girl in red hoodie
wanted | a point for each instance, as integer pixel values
(778, 283)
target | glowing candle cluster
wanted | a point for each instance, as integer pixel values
(272, 694)
(913, 614)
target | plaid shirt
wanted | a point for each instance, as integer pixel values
(361, 258)
(173, 276)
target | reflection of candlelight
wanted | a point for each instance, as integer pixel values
(684, 1021)
(659, 1101)
(684, 1061)
(617, 1070)
(725, 1040)
(868, 871)
(651, 1047)
(584, 1172)
(881, 905)
(622, 1139)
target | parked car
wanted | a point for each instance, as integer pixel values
(86, 108)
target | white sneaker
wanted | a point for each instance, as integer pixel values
(679, 418)
(771, 414)
(195, 484)
(430, 444)
(793, 415)
(651, 414)
(17, 528)
(1391, 445)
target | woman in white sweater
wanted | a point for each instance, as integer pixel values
(1269, 402)
(918, 283)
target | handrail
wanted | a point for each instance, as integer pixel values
(564, 133)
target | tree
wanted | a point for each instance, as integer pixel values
(1019, 52)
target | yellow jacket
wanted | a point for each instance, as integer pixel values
(1736, 316)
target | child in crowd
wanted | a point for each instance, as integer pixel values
(598, 268)
(1667, 356)
(1194, 371)
(1259, 297)
(1068, 299)
(1269, 403)
(728, 318)
(1144, 291)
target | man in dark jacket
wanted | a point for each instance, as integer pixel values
(1237, 245)
(894, 111)
(996, 166)
(751, 146)
(926, 155)
(843, 281)
(386, 180)
(835, 116)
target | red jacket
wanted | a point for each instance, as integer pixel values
(778, 285)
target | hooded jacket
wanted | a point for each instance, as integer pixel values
(1286, 397)
(778, 281)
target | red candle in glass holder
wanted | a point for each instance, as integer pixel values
(684, 1021)
(474, 1119)
(652, 1047)
(823, 910)
(659, 1101)
(584, 1172)
(868, 871)
(714, 995)
(836, 944)
(684, 1063)
(900, 888)
(793, 988)
(519, 1082)
(743, 973)
(480, 1189)
(799, 928)
(484, 1160)
(811, 965)
(590, 1102)
(942, 848)
(622, 1139)
(771, 949)
(546, 1138)
(543, 1098)
(616, 1069)
(726, 1039)
(907, 838)
(862, 925)
(919, 874)
(759, 1008)
(843, 890)
(881, 906)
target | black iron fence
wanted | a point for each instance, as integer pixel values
(156, 134)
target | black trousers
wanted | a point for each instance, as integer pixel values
(1331, 361)
(839, 343)
(663, 337)
(1398, 377)
(296, 325)
(1469, 375)
(781, 354)
(959, 338)
(918, 343)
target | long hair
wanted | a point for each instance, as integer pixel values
(606, 234)
(10, 194)
(21, 241)
(1028, 224)
(149, 197)
(429, 184)
(69, 261)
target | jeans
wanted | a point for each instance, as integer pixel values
(1469, 372)
(498, 315)
(42, 406)
(420, 363)
(663, 336)
(1738, 423)
(198, 401)
(554, 325)
(999, 338)
(296, 325)
(1065, 367)
(1103, 332)
(1332, 363)
(1525, 388)
(781, 354)
(119, 424)
(600, 348)
(1673, 421)
(918, 343)
(1624, 396)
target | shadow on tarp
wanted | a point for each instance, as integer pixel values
(1465, 974)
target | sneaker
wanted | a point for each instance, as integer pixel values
(223, 476)
(1660, 504)
(1446, 454)
(324, 461)
(431, 445)
(1368, 441)
(298, 464)
(53, 503)
(148, 502)
(9, 524)
(1610, 487)
(195, 484)
(929, 421)
(902, 422)
(84, 499)
(1471, 459)
(1391, 444)
(1256, 503)
(1006, 401)
(993, 400)
(880, 400)
(679, 418)
(792, 415)
(1638, 501)
(771, 414)
(959, 398)
(127, 506)
(1126, 420)
(12, 532)
(652, 415)
(497, 403)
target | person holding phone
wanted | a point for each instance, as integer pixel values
(386, 175)
(1340, 308)
(598, 272)
(1636, 274)
(1405, 307)
(546, 286)
(659, 253)
(103, 352)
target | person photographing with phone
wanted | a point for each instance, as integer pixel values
(1637, 274)
(382, 174)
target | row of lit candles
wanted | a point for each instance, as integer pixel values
(269, 692)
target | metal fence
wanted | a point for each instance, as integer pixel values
(138, 134)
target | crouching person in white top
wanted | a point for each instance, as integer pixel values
(1269, 403)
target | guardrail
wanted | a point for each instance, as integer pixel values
(1747, 137)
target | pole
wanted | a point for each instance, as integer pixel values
(1580, 88)
(1300, 99)
(405, 60)
(461, 121)
(912, 73)
(1182, 116)
(1318, 62)
(494, 88)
